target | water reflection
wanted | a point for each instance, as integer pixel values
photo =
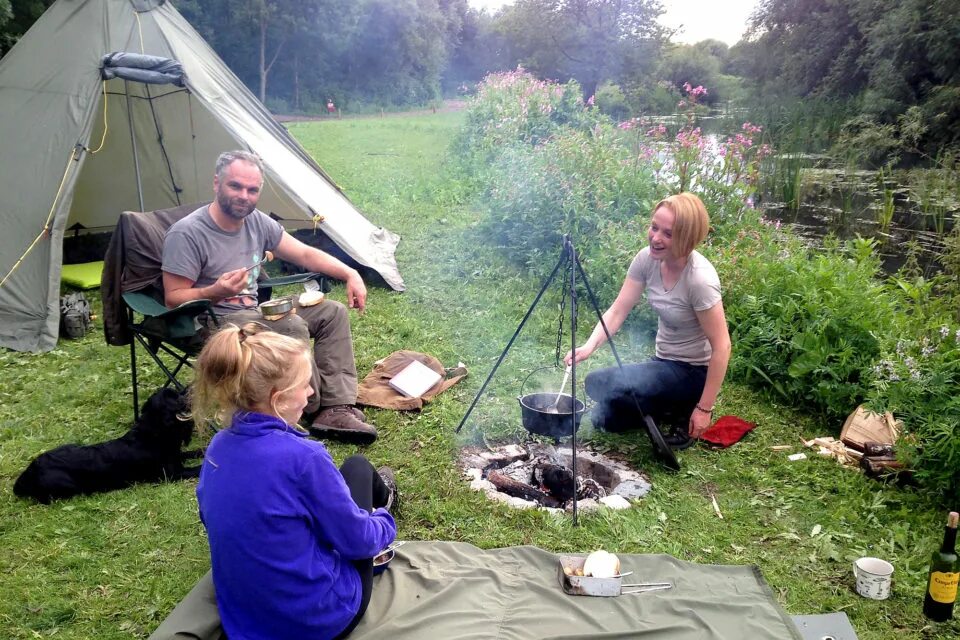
(891, 207)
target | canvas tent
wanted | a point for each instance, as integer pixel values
(78, 148)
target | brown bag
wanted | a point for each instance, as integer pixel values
(864, 426)
(375, 390)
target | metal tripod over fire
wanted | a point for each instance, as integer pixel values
(569, 265)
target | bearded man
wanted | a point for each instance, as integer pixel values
(215, 254)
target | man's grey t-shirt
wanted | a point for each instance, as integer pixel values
(679, 334)
(196, 248)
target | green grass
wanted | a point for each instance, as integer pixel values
(113, 565)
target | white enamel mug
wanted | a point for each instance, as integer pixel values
(874, 577)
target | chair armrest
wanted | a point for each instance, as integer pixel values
(163, 323)
(149, 306)
(296, 278)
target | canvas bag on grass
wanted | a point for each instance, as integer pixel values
(75, 317)
(864, 426)
(375, 390)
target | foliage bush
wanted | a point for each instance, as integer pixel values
(581, 183)
(515, 107)
(917, 379)
(651, 97)
(612, 102)
(805, 324)
(546, 164)
(724, 173)
(918, 373)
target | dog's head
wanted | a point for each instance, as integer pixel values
(165, 416)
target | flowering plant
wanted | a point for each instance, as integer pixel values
(723, 172)
(514, 106)
(917, 380)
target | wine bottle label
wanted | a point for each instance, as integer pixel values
(943, 586)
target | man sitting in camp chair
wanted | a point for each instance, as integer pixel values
(215, 253)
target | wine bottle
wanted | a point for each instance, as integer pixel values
(944, 575)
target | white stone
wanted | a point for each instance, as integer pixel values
(499, 497)
(514, 451)
(520, 503)
(474, 461)
(482, 485)
(633, 489)
(473, 474)
(584, 505)
(615, 502)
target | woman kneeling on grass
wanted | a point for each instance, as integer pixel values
(679, 385)
(291, 537)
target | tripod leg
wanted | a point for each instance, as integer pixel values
(596, 309)
(543, 289)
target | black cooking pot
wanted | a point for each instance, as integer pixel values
(543, 414)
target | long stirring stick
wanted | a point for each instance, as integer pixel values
(563, 385)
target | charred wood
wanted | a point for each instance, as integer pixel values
(517, 489)
(556, 480)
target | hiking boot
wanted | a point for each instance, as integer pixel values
(678, 439)
(342, 423)
(393, 499)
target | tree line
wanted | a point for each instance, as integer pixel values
(885, 57)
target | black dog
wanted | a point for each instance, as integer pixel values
(148, 452)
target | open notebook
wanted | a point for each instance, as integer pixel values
(415, 379)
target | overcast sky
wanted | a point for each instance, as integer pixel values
(700, 19)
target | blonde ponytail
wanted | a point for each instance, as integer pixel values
(242, 368)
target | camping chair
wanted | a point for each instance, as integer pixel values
(133, 303)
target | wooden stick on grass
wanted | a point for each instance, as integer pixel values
(716, 507)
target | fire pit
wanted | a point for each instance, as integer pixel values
(540, 476)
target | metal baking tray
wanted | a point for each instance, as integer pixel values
(585, 585)
(575, 585)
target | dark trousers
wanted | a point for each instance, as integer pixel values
(369, 492)
(666, 390)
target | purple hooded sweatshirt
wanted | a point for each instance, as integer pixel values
(283, 530)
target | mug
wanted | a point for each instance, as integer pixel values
(874, 577)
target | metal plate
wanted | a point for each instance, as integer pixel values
(276, 307)
(826, 626)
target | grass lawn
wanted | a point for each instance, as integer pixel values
(113, 565)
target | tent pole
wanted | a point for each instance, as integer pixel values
(133, 141)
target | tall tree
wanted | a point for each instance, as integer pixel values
(588, 40)
(808, 46)
(16, 18)
(482, 47)
(895, 54)
(253, 34)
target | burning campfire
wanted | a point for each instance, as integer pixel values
(539, 475)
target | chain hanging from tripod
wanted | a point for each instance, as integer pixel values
(563, 308)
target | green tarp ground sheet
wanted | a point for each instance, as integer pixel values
(455, 591)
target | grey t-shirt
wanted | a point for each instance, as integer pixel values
(679, 334)
(196, 248)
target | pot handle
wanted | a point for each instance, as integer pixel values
(524, 383)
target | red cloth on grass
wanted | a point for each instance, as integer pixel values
(727, 430)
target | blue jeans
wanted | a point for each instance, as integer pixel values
(666, 390)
